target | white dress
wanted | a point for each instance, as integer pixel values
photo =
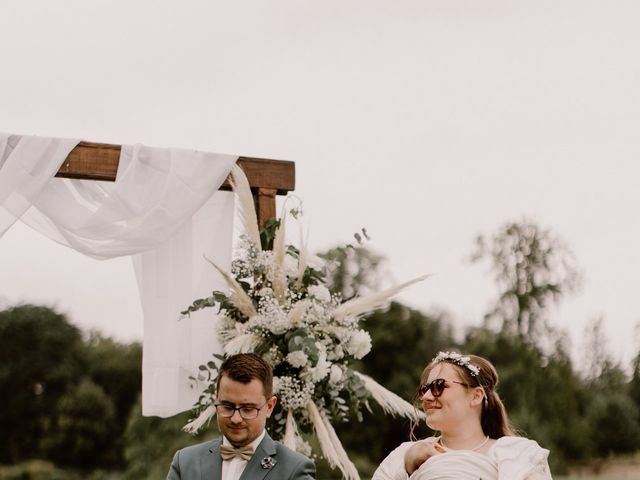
(509, 458)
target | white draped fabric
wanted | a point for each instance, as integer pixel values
(161, 210)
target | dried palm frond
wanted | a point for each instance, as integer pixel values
(279, 284)
(246, 207)
(279, 248)
(297, 312)
(359, 306)
(245, 343)
(302, 264)
(290, 432)
(238, 296)
(330, 443)
(205, 416)
(279, 280)
(389, 401)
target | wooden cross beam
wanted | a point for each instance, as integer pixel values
(267, 178)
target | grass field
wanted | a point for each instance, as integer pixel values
(628, 475)
(619, 468)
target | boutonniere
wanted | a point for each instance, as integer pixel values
(268, 463)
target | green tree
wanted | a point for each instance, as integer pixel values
(82, 431)
(41, 356)
(532, 268)
(353, 270)
(612, 411)
(615, 422)
(634, 384)
(116, 368)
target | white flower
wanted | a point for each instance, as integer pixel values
(265, 292)
(317, 314)
(320, 292)
(359, 344)
(321, 369)
(273, 356)
(276, 384)
(271, 316)
(297, 359)
(294, 392)
(335, 374)
(337, 353)
(278, 327)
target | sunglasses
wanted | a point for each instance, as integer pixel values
(436, 386)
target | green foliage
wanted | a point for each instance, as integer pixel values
(634, 384)
(41, 357)
(63, 399)
(43, 470)
(82, 430)
(116, 368)
(615, 421)
(268, 233)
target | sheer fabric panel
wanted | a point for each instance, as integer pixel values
(161, 210)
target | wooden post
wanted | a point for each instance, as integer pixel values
(265, 199)
(267, 178)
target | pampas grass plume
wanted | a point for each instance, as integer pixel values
(238, 296)
(246, 207)
(359, 306)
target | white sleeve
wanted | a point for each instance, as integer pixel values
(392, 467)
(521, 459)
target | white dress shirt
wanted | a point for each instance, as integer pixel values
(232, 469)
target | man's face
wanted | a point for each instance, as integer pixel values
(240, 431)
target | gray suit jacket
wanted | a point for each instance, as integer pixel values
(270, 461)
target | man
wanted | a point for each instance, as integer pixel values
(244, 401)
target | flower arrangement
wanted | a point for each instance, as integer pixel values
(279, 307)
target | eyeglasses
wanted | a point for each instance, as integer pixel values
(436, 386)
(248, 413)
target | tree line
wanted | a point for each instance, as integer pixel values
(72, 399)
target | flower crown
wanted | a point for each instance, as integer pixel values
(458, 359)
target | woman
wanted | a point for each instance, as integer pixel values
(459, 398)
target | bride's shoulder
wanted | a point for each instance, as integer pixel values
(509, 447)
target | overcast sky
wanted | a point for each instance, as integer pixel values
(427, 122)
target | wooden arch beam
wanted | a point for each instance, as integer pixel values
(267, 178)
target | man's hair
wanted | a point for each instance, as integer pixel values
(244, 367)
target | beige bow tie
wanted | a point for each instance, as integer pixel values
(228, 452)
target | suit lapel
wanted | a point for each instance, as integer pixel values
(265, 455)
(211, 463)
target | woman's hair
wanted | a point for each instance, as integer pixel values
(478, 371)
